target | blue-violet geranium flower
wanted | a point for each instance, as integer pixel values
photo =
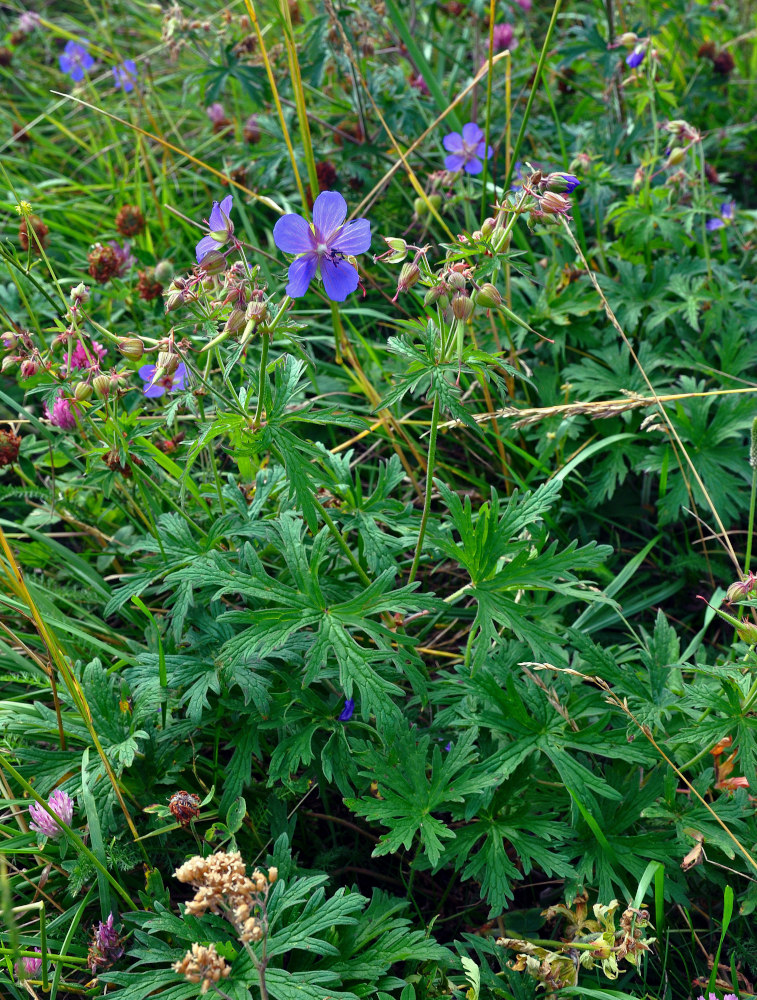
(174, 382)
(727, 211)
(220, 227)
(323, 246)
(466, 150)
(75, 59)
(125, 75)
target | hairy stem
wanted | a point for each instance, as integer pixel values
(429, 485)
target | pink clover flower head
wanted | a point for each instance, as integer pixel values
(31, 966)
(173, 383)
(636, 56)
(502, 36)
(216, 113)
(727, 212)
(28, 21)
(466, 150)
(63, 415)
(125, 75)
(323, 246)
(525, 5)
(75, 59)
(81, 359)
(346, 713)
(220, 228)
(714, 996)
(61, 804)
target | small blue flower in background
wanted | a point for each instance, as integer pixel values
(727, 212)
(220, 226)
(125, 75)
(636, 56)
(518, 172)
(174, 383)
(466, 150)
(349, 708)
(75, 59)
(323, 246)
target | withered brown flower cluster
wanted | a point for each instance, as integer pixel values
(224, 887)
(203, 965)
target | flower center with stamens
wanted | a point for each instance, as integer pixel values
(322, 248)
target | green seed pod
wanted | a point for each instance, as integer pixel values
(168, 362)
(131, 348)
(462, 306)
(83, 391)
(101, 386)
(489, 296)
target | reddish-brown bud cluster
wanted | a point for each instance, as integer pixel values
(251, 131)
(9, 445)
(20, 133)
(103, 263)
(38, 239)
(6, 56)
(184, 806)
(722, 62)
(130, 221)
(147, 286)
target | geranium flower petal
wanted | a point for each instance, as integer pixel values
(474, 166)
(472, 134)
(329, 213)
(481, 149)
(455, 161)
(301, 273)
(354, 238)
(203, 248)
(453, 142)
(340, 278)
(292, 234)
(146, 372)
(179, 377)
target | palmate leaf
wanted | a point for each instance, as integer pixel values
(481, 849)
(500, 562)
(411, 789)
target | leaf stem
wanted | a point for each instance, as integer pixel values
(261, 379)
(429, 485)
(750, 527)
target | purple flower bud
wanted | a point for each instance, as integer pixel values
(349, 708)
(61, 804)
(220, 228)
(636, 56)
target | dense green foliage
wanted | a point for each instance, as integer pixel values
(396, 593)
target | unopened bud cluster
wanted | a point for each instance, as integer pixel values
(226, 293)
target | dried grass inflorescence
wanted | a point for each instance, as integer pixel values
(204, 965)
(224, 888)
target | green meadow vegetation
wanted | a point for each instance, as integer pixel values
(378, 467)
